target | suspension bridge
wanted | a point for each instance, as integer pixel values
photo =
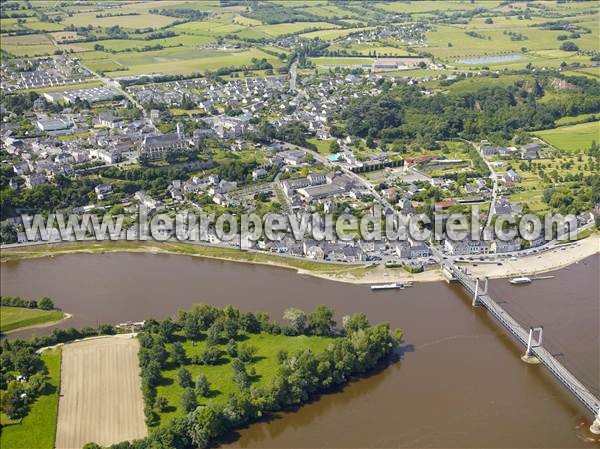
(531, 339)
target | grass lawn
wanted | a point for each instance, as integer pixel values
(220, 376)
(14, 317)
(322, 145)
(572, 138)
(38, 428)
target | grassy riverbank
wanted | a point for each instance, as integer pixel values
(38, 428)
(213, 252)
(12, 318)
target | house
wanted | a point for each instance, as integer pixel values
(465, 247)
(102, 191)
(108, 120)
(147, 201)
(501, 206)
(501, 246)
(511, 176)
(259, 173)
(530, 151)
(290, 186)
(34, 180)
(293, 157)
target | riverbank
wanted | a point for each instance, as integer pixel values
(15, 319)
(350, 273)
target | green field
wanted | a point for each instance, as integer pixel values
(38, 428)
(183, 60)
(220, 376)
(473, 84)
(141, 20)
(573, 138)
(15, 317)
(573, 120)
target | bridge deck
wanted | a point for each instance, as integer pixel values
(546, 358)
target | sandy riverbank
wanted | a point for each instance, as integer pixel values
(350, 273)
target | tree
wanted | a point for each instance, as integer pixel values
(184, 377)
(188, 400)
(166, 329)
(320, 321)
(569, 46)
(45, 303)
(246, 353)
(162, 404)
(178, 353)
(202, 386)
(334, 147)
(91, 446)
(214, 335)
(8, 232)
(354, 322)
(211, 356)
(13, 402)
(192, 328)
(232, 349)
(296, 318)
(206, 424)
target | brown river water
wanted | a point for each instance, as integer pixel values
(460, 382)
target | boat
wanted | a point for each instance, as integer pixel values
(520, 281)
(393, 286)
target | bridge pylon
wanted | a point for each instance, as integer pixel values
(476, 294)
(595, 427)
(529, 356)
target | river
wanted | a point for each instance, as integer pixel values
(459, 383)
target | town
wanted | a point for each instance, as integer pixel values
(136, 135)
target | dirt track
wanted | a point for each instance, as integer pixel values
(101, 398)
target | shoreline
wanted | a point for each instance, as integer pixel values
(538, 263)
(39, 326)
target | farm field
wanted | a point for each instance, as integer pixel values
(329, 35)
(573, 138)
(327, 62)
(100, 397)
(178, 60)
(15, 317)
(220, 377)
(38, 428)
(287, 28)
(139, 20)
(30, 45)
